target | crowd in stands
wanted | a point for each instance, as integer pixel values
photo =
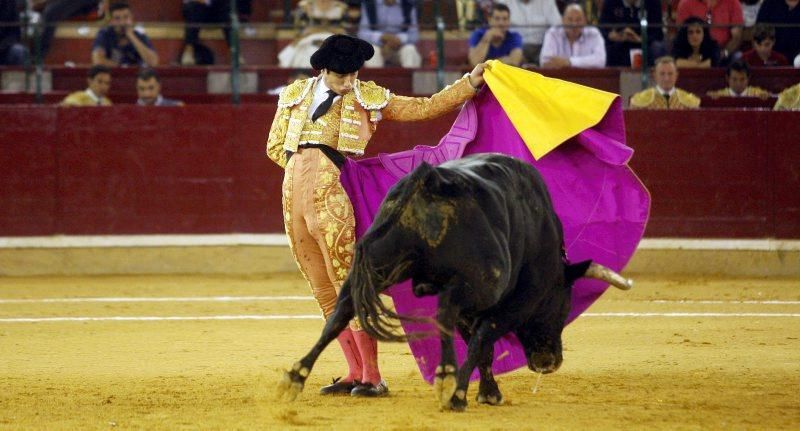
(740, 35)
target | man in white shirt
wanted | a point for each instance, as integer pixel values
(573, 44)
(531, 18)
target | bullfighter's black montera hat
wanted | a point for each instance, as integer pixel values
(342, 54)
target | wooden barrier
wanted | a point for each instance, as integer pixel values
(127, 170)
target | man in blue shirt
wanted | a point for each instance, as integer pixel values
(496, 41)
(119, 44)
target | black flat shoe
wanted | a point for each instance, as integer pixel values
(339, 388)
(370, 390)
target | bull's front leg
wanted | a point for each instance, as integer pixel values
(444, 384)
(293, 380)
(488, 392)
(480, 350)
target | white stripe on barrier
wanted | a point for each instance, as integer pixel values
(157, 318)
(703, 301)
(623, 314)
(103, 241)
(277, 239)
(318, 317)
(158, 299)
(267, 298)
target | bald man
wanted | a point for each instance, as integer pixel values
(573, 44)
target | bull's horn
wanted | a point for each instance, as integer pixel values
(600, 272)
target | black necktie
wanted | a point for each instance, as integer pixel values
(323, 108)
(666, 97)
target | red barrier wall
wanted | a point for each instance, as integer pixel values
(202, 169)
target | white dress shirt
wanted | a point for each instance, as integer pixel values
(320, 94)
(531, 19)
(663, 92)
(588, 51)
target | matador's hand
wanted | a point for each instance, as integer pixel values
(476, 76)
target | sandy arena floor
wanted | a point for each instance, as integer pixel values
(699, 353)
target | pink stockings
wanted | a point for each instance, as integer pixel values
(368, 348)
(361, 353)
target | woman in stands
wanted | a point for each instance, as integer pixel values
(693, 47)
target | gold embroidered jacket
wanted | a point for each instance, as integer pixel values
(651, 99)
(750, 91)
(360, 111)
(82, 98)
(789, 99)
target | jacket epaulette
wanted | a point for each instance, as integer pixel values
(295, 92)
(643, 98)
(371, 96)
(688, 99)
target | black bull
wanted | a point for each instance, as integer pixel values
(480, 233)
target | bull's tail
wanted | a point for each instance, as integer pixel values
(366, 284)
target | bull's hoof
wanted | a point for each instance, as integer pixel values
(292, 383)
(444, 385)
(489, 393)
(458, 403)
(491, 399)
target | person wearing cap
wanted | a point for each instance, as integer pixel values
(319, 122)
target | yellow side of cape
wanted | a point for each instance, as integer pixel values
(545, 111)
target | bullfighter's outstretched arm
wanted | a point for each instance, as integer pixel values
(403, 108)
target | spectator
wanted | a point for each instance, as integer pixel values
(724, 17)
(120, 44)
(56, 11)
(391, 26)
(12, 52)
(786, 13)
(762, 54)
(321, 13)
(465, 11)
(693, 47)
(199, 12)
(625, 16)
(496, 41)
(318, 20)
(574, 44)
(789, 99)
(665, 95)
(531, 18)
(750, 12)
(148, 88)
(352, 17)
(738, 77)
(97, 94)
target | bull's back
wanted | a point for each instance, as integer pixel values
(517, 182)
(522, 197)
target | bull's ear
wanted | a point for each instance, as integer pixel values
(575, 271)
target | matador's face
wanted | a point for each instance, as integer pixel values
(338, 82)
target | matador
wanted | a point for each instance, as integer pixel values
(319, 122)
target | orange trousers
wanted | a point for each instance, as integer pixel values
(320, 225)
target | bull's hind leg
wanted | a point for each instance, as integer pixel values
(293, 380)
(488, 392)
(444, 384)
(480, 347)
